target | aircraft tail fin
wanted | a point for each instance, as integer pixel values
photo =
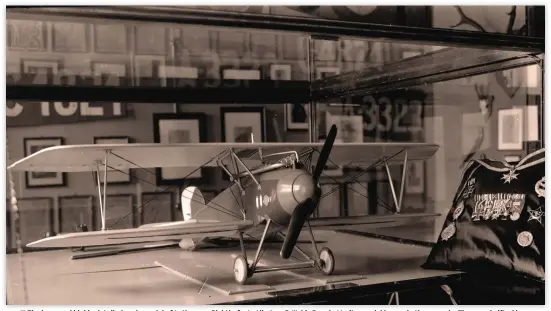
(224, 207)
(192, 201)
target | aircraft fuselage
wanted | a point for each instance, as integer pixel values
(281, 190)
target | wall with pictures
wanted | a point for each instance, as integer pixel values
(137, 51)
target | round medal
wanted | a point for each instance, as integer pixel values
(525, 238)
(458, 210)
(515, 216)
(448, 232)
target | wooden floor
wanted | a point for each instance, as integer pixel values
(202, 277)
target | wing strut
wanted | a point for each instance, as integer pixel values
(397, 200)
(102, 198)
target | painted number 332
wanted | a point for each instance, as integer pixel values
(399, 116)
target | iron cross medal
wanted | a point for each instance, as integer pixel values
(509, 176)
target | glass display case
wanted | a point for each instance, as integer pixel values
(471, 84)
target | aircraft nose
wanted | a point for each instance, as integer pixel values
(303, 188)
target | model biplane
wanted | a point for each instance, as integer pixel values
(273, 192)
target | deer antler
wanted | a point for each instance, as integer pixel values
(485, 99)
(465, 20)
(511, 23)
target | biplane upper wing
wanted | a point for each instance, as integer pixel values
(82, 158)
(369, 222)
(145, 234)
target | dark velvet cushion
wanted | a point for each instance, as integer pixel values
(495, 226)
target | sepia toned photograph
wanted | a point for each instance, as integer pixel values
(318, 156)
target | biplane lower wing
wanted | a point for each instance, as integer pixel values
(144, 234)
(370, 222)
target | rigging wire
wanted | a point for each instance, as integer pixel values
(224, 210)
(381, 201)
(355, 177)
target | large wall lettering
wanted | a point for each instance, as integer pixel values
(396, 115)
(43, 113)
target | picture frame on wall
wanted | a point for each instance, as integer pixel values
(357, 199)
(415, 178)
(280, 72)
(330, 205)
(40, 67)
(510, 129)
(209, 195)
(110, 73)
(169, 72)
(118, 176)
(350, 128)
(74, 211)
(157, 207)
(120, 212)
(239, 123)
(297, 116)
(241, 74)
(36, 219)
(326, 72)
(43, 179)
(179, 128)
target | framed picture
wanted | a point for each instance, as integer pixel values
(120, 212)
(415, 178)
(178, 128)
(510, 129)
(325, 72)
(40, 67)
(357, 199)
(350, 128)
(110, 72)
(330, 205)
(241, 74)
(156, 207)
(121, 176)
(240, 124)
(385, 201)
(43, 179)
(115, 69)
(36, 219)
(182, 72)
(75, 211)
(297, 117)
(331, 169)
(208, 195)
(533, 117)
(43, 69)
(280, 72)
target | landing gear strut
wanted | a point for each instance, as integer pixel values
(242, 271)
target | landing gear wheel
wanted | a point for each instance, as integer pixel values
(240, 269)
(327, 261)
